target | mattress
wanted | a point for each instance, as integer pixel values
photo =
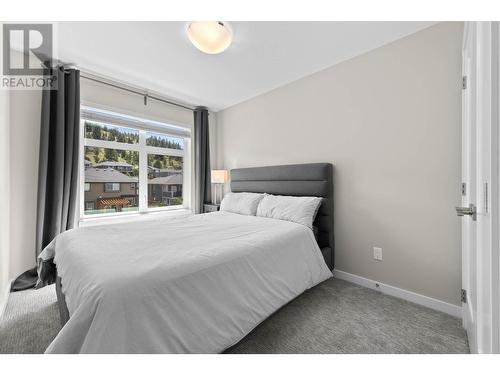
(195, 284)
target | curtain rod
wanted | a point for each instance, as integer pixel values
(134, 91)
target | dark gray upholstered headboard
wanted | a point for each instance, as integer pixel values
(297, 180)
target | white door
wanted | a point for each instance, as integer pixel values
(469, 228)
(480, 263)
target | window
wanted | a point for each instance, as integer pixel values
(112, 172)
(89, 206)
(111, 187)
(167, 175)
(132, 164)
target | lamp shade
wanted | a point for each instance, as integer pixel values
(209, 37)
(219, 176)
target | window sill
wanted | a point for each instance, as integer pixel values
(129, 217)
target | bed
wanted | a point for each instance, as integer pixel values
(195, 284)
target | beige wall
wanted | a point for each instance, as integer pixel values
(25, 112)
(389, 121)
(102, 95)
(4, 192)
(4, 196)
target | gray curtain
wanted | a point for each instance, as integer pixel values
(202, 158)
(57, 171)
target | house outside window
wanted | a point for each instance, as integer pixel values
(132, 164)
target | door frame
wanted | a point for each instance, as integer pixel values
(495, 188)
(480, 165)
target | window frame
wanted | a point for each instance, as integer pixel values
(144, 150)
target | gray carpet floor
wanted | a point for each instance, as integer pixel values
(334, 317)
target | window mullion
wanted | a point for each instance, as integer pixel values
(143, 172)
(110, 144)
(165, 151)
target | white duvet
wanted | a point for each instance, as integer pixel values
(195, 284)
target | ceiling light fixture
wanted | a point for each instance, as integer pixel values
(210, 37)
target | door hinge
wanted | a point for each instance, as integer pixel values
(464, 189)
(463, 296)
(464, 82)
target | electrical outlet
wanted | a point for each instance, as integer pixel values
(377, 253)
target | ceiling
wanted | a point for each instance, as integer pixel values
(264, 55)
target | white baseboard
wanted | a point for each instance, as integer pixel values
(419, 299)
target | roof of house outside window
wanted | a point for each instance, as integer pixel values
(170, 170)
(107, 175)
(111, 164)
(175, 179)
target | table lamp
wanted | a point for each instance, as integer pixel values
(219, 177)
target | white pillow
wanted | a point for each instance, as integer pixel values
(301, 210)
(241, 203)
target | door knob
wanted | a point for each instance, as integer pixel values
(471, 211)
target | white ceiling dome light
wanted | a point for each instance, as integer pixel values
(211, 37)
